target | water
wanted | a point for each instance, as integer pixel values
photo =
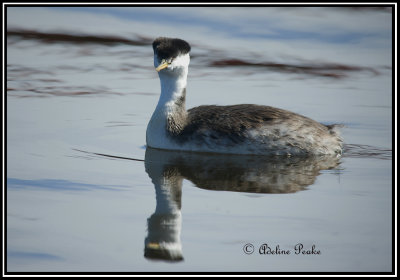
(84, 194)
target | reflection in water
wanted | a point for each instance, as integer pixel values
(94, 45)
(164, 226)
(327, 70)
(240, 173)
(48, 38)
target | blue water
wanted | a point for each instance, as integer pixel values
(85, 195)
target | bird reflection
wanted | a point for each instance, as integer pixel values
(164, 226)
(222, 172)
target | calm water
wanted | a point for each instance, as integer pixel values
(84, 194)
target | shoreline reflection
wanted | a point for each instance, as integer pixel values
(219, 172)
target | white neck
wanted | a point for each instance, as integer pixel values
(172, 88)
(171, 104)
(173, 81)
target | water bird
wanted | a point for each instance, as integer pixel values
(231, 129)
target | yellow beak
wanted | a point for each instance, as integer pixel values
(164, 64)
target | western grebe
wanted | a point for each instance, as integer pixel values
(235, 129)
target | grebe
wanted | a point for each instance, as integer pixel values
(235, 129)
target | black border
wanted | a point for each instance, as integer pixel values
(195, 4)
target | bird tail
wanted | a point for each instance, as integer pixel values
(334, 129)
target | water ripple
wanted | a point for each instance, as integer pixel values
(366, 151)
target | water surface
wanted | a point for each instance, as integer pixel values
(84, 194)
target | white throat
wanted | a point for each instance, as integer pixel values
(173, 80)
(172, 88)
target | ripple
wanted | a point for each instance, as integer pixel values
(366, 151)
(328, 70)
(309, 68)
(75, 38)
